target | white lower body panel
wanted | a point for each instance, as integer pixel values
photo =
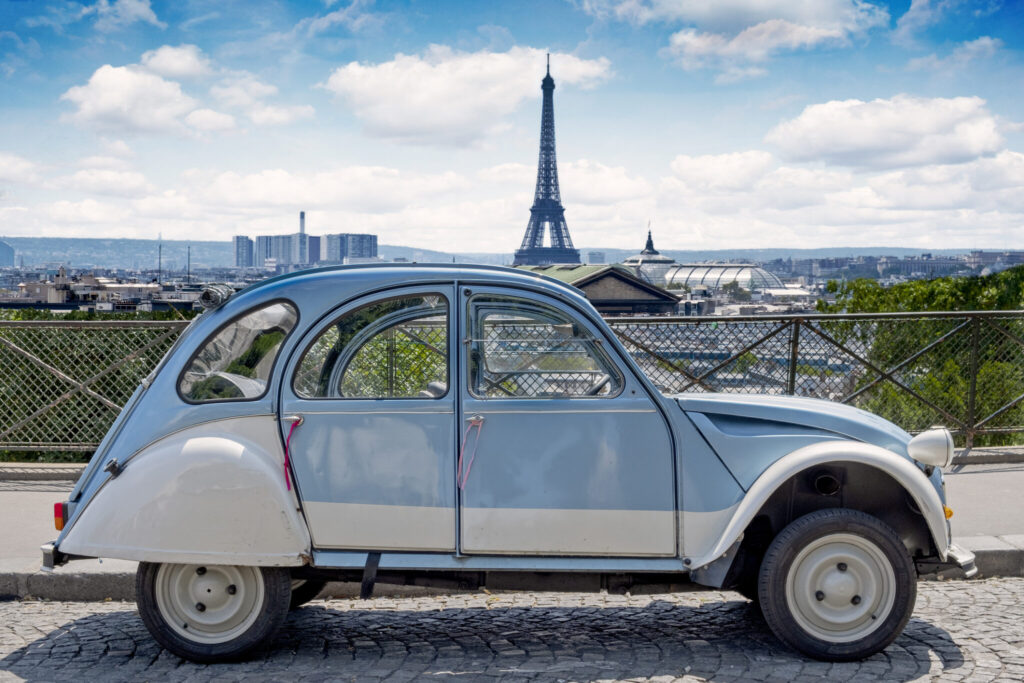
(633, 533)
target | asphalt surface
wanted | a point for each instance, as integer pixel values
(960, 631)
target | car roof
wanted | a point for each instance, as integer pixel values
(317, 290)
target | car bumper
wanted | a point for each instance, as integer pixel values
(959, 562)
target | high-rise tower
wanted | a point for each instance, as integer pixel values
(547, 214)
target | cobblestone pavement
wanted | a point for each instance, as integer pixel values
(960, 631)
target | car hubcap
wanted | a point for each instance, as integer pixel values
(209, 604)
(840, 588)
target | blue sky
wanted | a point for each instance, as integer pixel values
(726, 123)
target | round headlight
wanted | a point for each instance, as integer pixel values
(932, 447)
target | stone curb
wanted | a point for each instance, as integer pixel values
(27, 471)
(995, 557)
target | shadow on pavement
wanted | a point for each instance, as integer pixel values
(716, 640)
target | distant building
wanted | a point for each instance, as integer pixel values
(343, 247)
(313, 244)
(263, 249)
(613, 290)
(596, 258)
(649, 264)
(714, 276)
(6, 255)
(243, 252)
(286, 253)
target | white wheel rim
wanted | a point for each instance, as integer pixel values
(209, 604)
(840, 588)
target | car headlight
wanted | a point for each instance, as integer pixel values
(932, 447)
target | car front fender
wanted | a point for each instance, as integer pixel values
(904, 471)
(213, 493)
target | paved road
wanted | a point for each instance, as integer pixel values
(960, 631)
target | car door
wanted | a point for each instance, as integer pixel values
(374, 454)
(563, 451)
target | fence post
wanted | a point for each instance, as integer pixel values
(973, 383)
(794, 353)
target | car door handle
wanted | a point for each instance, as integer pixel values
(475, 419)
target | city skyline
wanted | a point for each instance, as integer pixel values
(729, 124)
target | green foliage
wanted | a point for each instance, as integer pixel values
(18, 314)
(1000, 291)
(735, 292)
(942, 375)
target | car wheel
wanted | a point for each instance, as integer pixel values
(303, 591)
(208, 613)
(837, 584)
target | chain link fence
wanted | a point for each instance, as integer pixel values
(961, 370)
(63, 383)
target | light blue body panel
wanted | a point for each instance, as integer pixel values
(638, 452)
(750, 432)
(610, 454)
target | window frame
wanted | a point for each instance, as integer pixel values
(369, 333)
(596, 344)
(231, 321)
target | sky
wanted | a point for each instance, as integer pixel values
(722, 123)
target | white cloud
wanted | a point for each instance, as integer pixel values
(16, 169)
(246, 93)
(208, 120)
(107, 182)
(103, 161)
(963, 54)
(355, 188)
(122, 13)
(695, 50)
(183, 61)
(449, 97)
(734, 36)
(920, 15)
(271, 115)
(901, 131)
(713, 172)
(594, 184)
(118, 147)
(127, 98)
(735, 15)
(242, 91)
(86, 213)
(354, 17)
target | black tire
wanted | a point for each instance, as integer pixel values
(304, 591)
(249, 615)
(818, 615)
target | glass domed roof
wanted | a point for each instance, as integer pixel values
(714, 275)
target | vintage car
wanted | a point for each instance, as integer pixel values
(470, 426)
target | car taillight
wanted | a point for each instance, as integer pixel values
(60, 515)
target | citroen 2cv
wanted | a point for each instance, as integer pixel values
(480, 426)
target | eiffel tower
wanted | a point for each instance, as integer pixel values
(547, 213)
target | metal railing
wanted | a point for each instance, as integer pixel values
(961, 370)
(63, 383)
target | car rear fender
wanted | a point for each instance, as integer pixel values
(213, 493)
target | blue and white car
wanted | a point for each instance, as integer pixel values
(478, 426)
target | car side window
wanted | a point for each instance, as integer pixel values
(236, 362)
(524, 349)
(391, 348)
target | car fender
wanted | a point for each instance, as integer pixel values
(903, 470)
(212, 493)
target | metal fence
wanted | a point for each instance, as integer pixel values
(63, 383)
(961, 370)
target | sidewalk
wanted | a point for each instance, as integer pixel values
(986, 498)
